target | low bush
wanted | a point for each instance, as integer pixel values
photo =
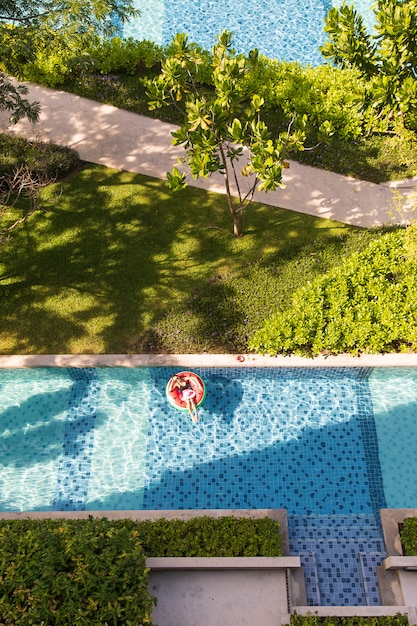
(315, 620)
(47, 158)
(93, 571)
(125, 55)
(223, 314)
(409, 536)
(209, 537)
(368, 304)
(56, 572)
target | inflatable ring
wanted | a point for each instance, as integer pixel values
(196, 383)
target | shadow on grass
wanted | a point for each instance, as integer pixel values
(116, 251)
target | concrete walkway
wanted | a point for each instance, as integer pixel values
(115, 138)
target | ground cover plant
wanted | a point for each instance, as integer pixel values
(119, 265)
(61, 571)
(51, 159)
(367, 304)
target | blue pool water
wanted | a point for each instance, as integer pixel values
(282, 29)
(313, 441)
(326, 444)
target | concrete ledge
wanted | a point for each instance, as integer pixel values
(205, 360)
(397, 576)
(222, 590)
(390, 521)
(401, 562)
(223, 563)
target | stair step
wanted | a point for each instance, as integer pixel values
(344, 546)
(368, 564)
(348, 527)
(309, 563)
(340, 555)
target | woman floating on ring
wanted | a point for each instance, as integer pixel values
(186, 392)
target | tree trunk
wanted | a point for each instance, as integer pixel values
(237, 230)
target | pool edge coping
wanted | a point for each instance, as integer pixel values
(205, 360)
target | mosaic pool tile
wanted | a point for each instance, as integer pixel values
(75, 462)
(347, 551)
(306, 440)
(284, 438)
(394, 398)
(33, 407)
(369, 562)
(290, 30)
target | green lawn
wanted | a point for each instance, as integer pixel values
(118, 263)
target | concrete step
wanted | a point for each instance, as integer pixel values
(340, 555)
(369, 564)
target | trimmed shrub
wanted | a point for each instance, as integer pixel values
(125, 55)
(368, 304)
(93, 571)
(315, 620)
(56, 572)
(208, 537)
(47, 158)
(409, 536)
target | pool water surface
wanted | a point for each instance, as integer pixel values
(313, 441)
(286, 30)
(325, 444)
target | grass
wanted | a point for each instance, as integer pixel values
(119, 264)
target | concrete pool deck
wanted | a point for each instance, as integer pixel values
(122, 140)
(204, 360)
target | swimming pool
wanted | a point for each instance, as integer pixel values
(313, 441)
(330, 445)
(287, 30)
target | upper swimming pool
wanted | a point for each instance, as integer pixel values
(282, 29)
(319, 441)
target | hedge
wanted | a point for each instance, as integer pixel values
(315, 620)
(93, 571)
(46, 158)
(368, 304)
(408, 536)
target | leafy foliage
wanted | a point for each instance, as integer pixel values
(49, 158)
(315, 620)
(125, 55)
(215, 130)
(408, 536)
(61, 571)
(368, 304)
(209, 536)
(93, 571)
(43, 39)
(12, 100)
(387, 60)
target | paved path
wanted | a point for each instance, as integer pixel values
(127, 141)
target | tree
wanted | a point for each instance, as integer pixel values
(387, 60)
(221, 123)
(29, 25)
(11, 99)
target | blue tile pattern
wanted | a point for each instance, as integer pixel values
(329, 445)
(296, 438)
(289, 30)
(341, 555)
(75, 462)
